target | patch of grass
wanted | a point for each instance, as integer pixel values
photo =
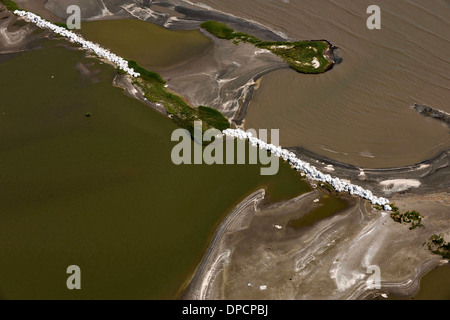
(394, 208)
(302, 56)
(120, 71)
(327, 187)
(145, 74)
(220, 30)
(213, 117)
(153, 86)
(10, 5)
(245, 37)
(410, 217)
(437, 245)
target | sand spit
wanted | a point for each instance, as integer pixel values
(398, 185)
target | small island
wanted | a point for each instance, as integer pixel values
(311, 57)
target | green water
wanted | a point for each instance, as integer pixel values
(328, 206)
(152, 46)
(102, 192)
(435, 285)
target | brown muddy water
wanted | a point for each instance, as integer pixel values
(435, 285)
(360, 112)
(154, 47)
(101, 192)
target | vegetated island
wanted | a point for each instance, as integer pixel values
(311, 57)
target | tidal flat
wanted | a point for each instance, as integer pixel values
(257, 254)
